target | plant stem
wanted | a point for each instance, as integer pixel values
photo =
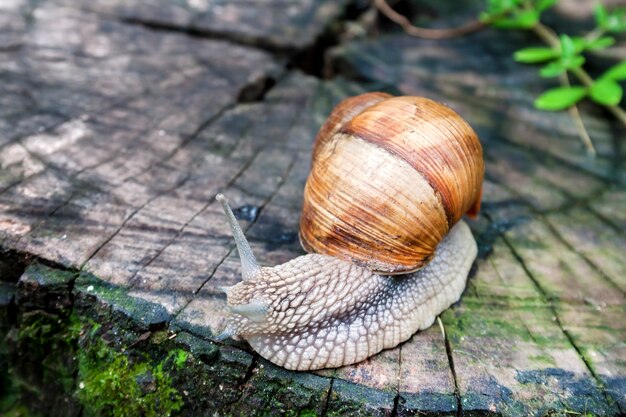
(426, 33)
(549, 37)
(594, 34)
(578, 121)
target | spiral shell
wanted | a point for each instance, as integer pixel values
(390, 176)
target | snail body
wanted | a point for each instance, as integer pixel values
(391, 178)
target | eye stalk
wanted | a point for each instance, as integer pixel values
(249, 266)
(253, 310)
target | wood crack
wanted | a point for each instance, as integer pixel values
(396, 399)
(449, 354)
(169, 189)
(204, 33)
(228, 253)
(610, 223)
(130, 217)
(540, 214)
(588, 261)
(245, 380)
(41, 158)
(261, 208)
(327, 398)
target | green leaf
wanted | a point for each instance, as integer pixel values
(497, 8)
(504, 5)
(568, 48)
(552, 69)
(616, 72)
(496, 4)
(601, 15)
(601, 43)
(616, 21)
(505, 23)
(545, 4)
(526, 19)
(486, 18)
(560, 98)
(573, 62)
(535, 54)
(579, 43)
(606, 92)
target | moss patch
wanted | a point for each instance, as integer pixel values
(124, 384)
(104, 302)
(483, 319)
(273, 391)
(41, 365)
(62, 364)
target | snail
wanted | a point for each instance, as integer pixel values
(390, 180)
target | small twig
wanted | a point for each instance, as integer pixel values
(594, 34)
(578, 121)
(426, 33)
(547, 35)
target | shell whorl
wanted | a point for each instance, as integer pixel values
(390, 176)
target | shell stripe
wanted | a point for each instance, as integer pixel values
(436, 143)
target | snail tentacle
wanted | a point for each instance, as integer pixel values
(256, 310)
(227, 333)
(249, 266)
(223, 289)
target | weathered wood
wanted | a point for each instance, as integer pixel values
(115, 138)
(289, 26)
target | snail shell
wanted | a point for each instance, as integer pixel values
(389, 179)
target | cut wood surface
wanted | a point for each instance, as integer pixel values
(119, 124)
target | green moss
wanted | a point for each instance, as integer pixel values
(114, 303)
(502, 321)
(276, 391)
(41, 364)
(67, 359)
(180, 357)
(38, 327)
(543, 358)
(159, 337)
(119, 384)
(47, 276)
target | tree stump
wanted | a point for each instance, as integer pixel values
(119, 125)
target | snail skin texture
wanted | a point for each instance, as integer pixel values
(325, 310)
